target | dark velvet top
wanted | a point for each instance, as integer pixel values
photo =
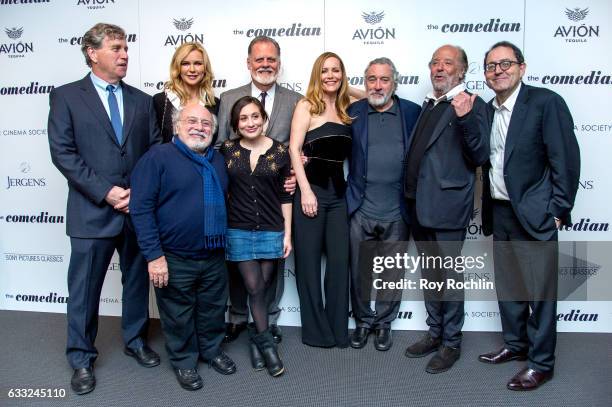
(255, 198)
(327, 147)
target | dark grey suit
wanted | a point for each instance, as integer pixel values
(279, 129)
(85, 150)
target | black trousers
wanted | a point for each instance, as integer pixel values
(192, 308)
(531, 266)
(324, 320)
(239, 310)
(89, 260)
(445, 309)
(364, 229)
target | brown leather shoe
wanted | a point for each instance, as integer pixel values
(529, 379)
(501, 356)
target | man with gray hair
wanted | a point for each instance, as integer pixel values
(381, 127)
(98, 129)
(178, 207)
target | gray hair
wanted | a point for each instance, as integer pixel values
(383, 61)
(94, 37)
(176, 116)
(264, 38)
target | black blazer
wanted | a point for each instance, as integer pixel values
(85, 150)
(541, 163)
(445, 188)
(163, 111)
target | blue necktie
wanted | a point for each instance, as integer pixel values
(114, 113)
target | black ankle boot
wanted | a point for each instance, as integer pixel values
(257, 361)
(266, 346)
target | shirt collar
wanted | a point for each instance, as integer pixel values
(174, 99)
(510, 102)
(101, 83)
(255, 91)
(448, 96)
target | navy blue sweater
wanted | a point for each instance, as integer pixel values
(167, 202)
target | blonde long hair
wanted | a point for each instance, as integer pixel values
(314, 94)
(176, 84)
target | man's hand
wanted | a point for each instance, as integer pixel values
(158, 272)
(463, 103)
(290, 183)
(119, 199)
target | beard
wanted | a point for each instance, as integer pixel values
(378, 100)
(198, 146)
(267, 78)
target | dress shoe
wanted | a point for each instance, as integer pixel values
(359, 338)
(223, 364)
(529, 379)
(423, 347)
(443, 360)
(83, 380)
(257, 361)
(145, 356)
(277, 334)
(232, 331)
(189, 379)
(267, 348)
(502, 356)
(383, 339)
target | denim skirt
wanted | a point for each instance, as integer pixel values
(243, 245)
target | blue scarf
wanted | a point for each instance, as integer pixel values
(215, 217)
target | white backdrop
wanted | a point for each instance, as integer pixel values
(39, 49)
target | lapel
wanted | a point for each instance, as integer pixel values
(445, 121)
(128, 111)
(516, 122)
(361, 127)
(278, 102)
(91, 99)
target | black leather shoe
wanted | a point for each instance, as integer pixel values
(383, 339)
(232, 331)
(257, 360)
(502, 356)
(145, 356)
(529, 379)
(223, 364)
(189, 379)
(83, 380)
(443, 360)
(359, 337)
(423, 347)
(277, 334)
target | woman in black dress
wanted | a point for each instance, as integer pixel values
(320, 130)
(259, 216)
(190, 80)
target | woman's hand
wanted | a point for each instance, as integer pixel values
(287, 245)
(309, 203)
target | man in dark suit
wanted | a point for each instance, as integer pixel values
(529, 190)
(448, 143)
(98, 128)
(381, 127)
(263, 62)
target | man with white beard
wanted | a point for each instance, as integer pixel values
(178, 210)
(381, 127)
(264, 63)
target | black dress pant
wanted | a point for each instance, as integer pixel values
(89, 260)
(192, 308)
(324, 320)
(365, 229)
(526, 278)
(445, 309)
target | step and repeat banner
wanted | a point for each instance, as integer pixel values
(566, 46)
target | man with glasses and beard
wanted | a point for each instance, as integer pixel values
(381, 127)
(449, 142)
(178, 209)
(263, 62)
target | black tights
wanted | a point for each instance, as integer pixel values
(257, 275)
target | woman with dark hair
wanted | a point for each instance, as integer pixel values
(190, 80)
(320, 130)
(259, 217)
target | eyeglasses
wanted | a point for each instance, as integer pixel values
(192, 121)
(503, 65)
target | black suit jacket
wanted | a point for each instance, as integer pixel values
(541, 163)
(445, 187)
(85, 150)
